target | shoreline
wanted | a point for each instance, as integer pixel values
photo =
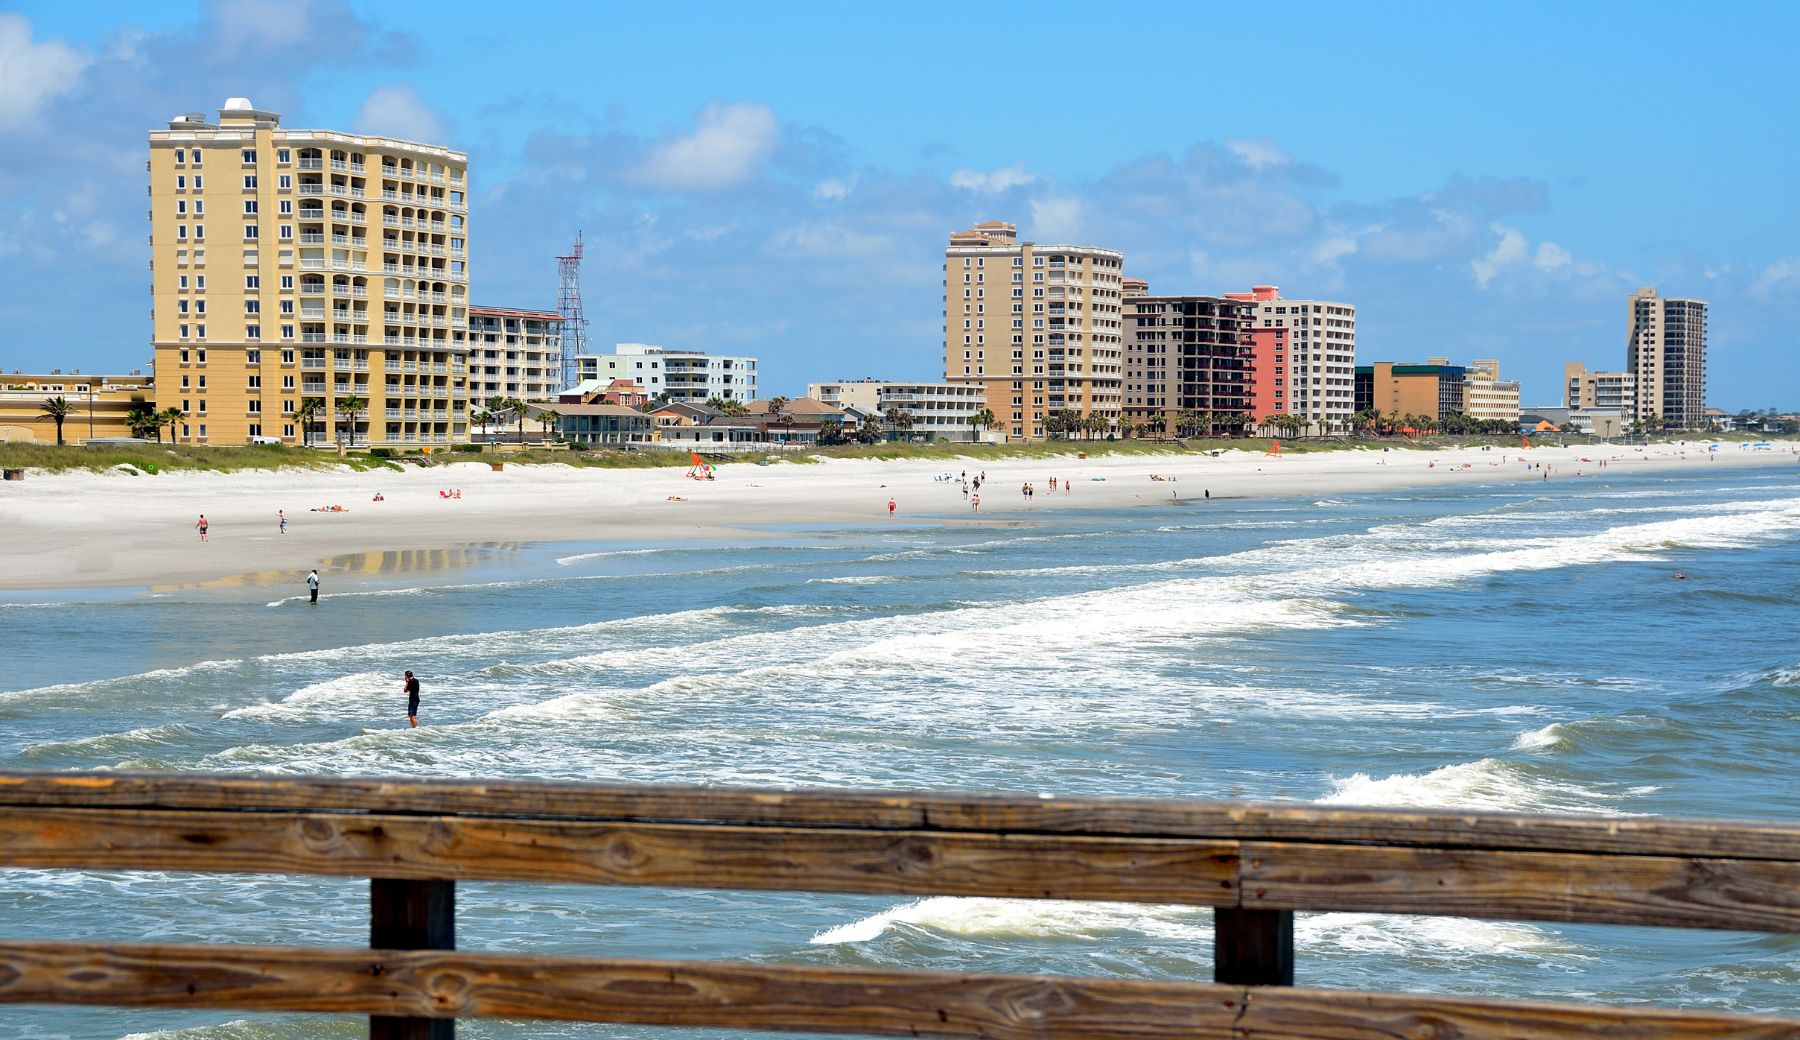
(90, 531)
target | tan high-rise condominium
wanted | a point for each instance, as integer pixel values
(1666, 351)
(1487, 396)
(1036, 325)
(296, 266)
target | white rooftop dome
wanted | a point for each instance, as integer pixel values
(238, 104)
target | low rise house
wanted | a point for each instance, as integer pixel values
(598, 424)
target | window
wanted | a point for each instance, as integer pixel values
(196, 158)
(252, 306)
(181, 207)
(200, 308)
(287, 283)
(287, 207)
(184, 331)
(181, 155)
(287, 231)
(286, 182)
(283, 156)
(200, 282)
(249, 157)
(249, 230)
(252, 281)
(181, 232)
(287, 306)
(202, 425)
(181, 182)
(182, 282)
(253, 357)
(287, 382)
(199, 181)
(199, 230)
(250, 182)
(249, 207)
(287, 356)
(200, 333)
(255, 408)
(203, 385)
(200, 355)
(181, 306)
(199, 207)
(184, 382)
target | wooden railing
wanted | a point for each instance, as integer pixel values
(1253, 864)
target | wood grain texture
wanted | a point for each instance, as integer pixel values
(1739, 839)
(802, 999)
(1752, 895)
(666, 855)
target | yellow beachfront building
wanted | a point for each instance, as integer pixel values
(295, 265)
(98, 406)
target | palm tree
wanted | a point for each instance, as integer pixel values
(900, 420)
(983, 419)
(309, 411)
(142, 420)
(483, 419)
(58, 409)
(732, 406)
(518, 410)
(348, 408)
(547, 418)
(170, 417)
(776, 404)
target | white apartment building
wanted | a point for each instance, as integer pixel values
(689, 376)
(1486, 395)
(940, 411)
(514, 353)
(1321, 362)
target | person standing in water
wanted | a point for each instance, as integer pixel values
(412, 699)
(312, 584)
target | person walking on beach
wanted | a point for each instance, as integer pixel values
(411, 686)
(281, 518)
(312, 584)
(201, 527)
(891, 507)
(975, 503)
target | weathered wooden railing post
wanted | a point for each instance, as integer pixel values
(1253, 947)
(411, 915)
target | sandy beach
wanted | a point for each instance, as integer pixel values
(91, 530)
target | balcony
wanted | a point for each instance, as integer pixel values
(312, 363)
(313, 337)
(312, 238)
(311, 164)
(309, 189)
(312, 290)
(392, 366)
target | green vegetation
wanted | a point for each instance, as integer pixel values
(152, 458)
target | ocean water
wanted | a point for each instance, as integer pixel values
(1516, 647)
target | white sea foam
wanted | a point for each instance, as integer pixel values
(1489, 784)
(355, 696)
(1554, 737)
(1027, 919)
(1425, 936)
(855, 579)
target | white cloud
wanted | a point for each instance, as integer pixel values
(995, 181)
(397, 110)
(261, 23)
(1330, 250)
(1780, 277)
(834, 190)
(833, 242)
(1259, 153)
(1551, 256)
(1058, 218)
(32, 73)
(1511, 249)
(727, 146)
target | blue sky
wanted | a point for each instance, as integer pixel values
(779, 179)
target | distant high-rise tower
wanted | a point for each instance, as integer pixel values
(568, 304)
(1666, 352)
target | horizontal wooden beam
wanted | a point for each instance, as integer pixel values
(1751, 895)
(793, 998)
(1140, 870)
(1150, 818)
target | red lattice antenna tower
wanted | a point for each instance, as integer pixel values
(568, 304)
